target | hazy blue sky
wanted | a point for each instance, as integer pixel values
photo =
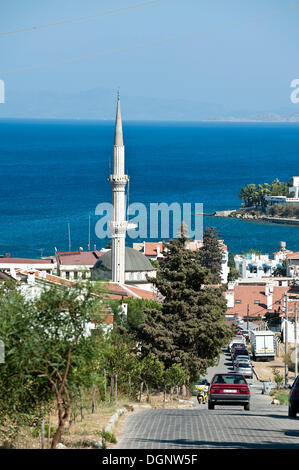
(246, 65)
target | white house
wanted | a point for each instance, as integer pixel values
(257, 266)
(294, 195)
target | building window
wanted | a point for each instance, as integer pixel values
(257, 302)
(238, 301)
(67, 274)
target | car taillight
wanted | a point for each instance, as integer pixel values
(214, 390)
(245, 391)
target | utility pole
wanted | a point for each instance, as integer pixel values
(69, 231)
(89, 234)
(296, 351)
(247, 317)
(286, 370)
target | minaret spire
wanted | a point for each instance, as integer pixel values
(118, 180)
(118, 136)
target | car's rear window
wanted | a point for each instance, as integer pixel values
(244, 365)
(228, 379)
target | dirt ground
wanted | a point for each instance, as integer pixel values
(81, 434)
(265, 369)
(86, 433)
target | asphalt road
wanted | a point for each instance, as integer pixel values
(265, 426)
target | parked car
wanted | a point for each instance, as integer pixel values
(237, 348)
(229, 389)
(242, 360)
(239, 358)
(245, 333)
(294, 399)
(244, 369)
(239, 353)
(236, 341)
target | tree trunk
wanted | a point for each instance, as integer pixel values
(93, 400)
(115, 387)
(42, 436)
(141, 390)
(105, 385)
(70, 424)
(147, 392)
(130, 387)
(164, 396)
(188, 387)
(49, 430)
(81, 406)
(111, 387)
(63, 414)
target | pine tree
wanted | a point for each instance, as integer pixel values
(190, 328)
(211, 254)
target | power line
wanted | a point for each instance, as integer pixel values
(79, 19)
(150, 43)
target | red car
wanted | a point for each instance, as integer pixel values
(229, 389)
(237, 348)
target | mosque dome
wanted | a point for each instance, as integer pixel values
(134, 262)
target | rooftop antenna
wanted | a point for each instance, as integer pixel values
(89, 233)
(69, 232)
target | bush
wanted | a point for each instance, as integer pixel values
(107, 437)
(278, 378)
(36, 431)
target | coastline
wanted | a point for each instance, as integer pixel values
(253, 218)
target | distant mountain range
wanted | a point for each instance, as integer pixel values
(99, 104)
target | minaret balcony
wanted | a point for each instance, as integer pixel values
(118, 179)
(118, 227)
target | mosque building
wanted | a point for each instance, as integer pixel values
(121, 264)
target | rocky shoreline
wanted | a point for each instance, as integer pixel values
(237, 214)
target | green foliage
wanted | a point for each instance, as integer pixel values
(136, 309)
(151, 370)
(106, 437)
(47, 351)
(190, 327)
(278, 378)
(254, 196)
(284, 210)
(36, 431)
(175, 376)
(281, 270)
(211, 254)
(234, 272)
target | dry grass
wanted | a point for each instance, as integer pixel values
(86, 433)
(82, 434)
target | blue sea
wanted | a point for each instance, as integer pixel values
(54, 173)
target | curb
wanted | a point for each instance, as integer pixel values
(113, 420)
(111, 423)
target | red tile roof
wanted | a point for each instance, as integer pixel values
(78, 258)
(151, 248)
(25, 261)
(249, 294)
(293, 255)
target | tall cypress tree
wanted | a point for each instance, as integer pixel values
(211, 254)
(190, 329)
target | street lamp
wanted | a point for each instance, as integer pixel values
(286, 369)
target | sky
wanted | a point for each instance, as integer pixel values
(232, 62)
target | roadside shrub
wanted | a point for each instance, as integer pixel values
(278, 378)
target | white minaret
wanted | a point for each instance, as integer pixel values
(118, 226)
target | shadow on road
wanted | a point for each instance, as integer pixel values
(181, 443)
